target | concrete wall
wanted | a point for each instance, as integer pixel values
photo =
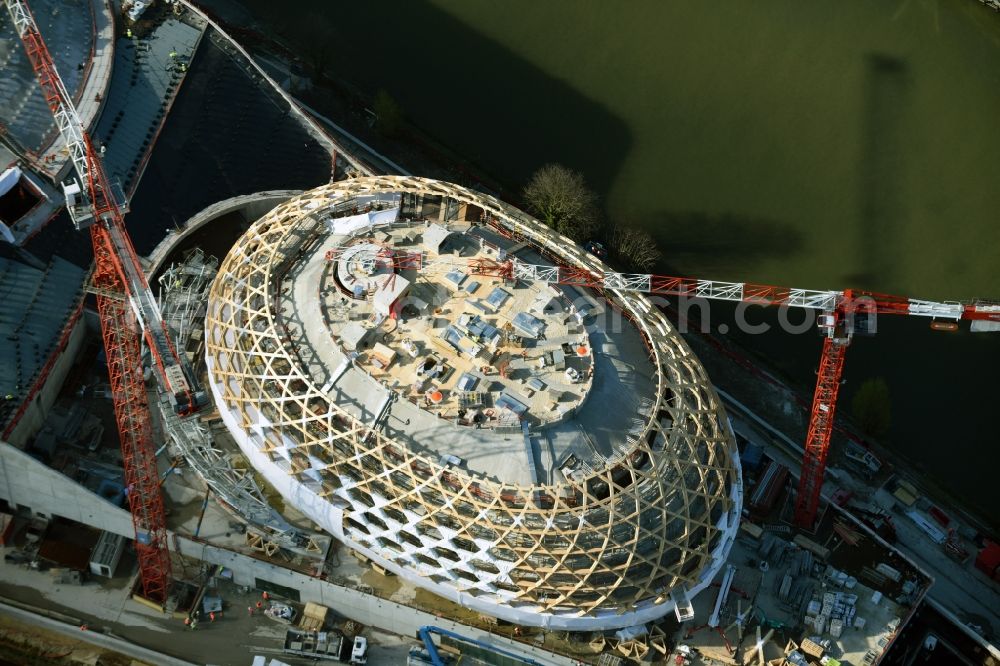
(27, 482)
(251, 206)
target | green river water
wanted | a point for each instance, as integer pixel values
(816, 144)
(810, 144)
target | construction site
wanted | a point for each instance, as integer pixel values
(460, 394)
(395, 419)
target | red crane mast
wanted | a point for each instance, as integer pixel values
(821, 416)
(125, 304)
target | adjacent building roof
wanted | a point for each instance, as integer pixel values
(221, 123)
(67, 26)
(147, 73)
(35, 305)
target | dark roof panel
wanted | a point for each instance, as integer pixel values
(148, 71)
(34, 308)
(67, 26)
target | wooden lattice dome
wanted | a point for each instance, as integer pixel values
(619, 539)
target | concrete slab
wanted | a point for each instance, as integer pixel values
(614, 367)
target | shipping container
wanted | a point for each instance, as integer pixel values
(940, 516)
(928, 528)
(988, 560)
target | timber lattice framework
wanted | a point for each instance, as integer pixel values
(621, 543)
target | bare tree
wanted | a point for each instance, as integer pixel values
(561, 199)
(871, 406)
(633, 247)
(317, 36)
(388, 114)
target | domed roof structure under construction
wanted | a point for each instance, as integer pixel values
(397, 358)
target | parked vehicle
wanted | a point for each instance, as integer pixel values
(359, 652)
(596, 249)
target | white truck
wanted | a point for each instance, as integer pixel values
(359, 652)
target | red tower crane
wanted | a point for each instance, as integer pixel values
(124, 301)
(119, 278)
(841, 315)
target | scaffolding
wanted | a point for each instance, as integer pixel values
(183, 292)
(182, 296)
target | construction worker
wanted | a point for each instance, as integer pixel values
(128, 33)
(194, 624)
